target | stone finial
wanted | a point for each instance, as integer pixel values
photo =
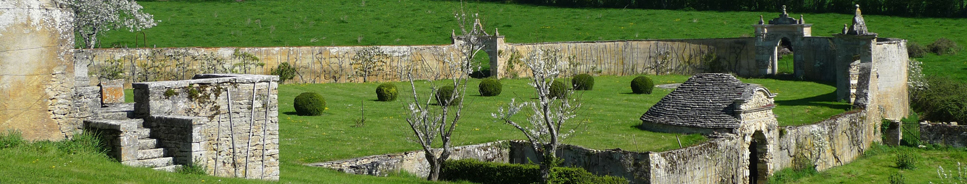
(761, 21)
(859, 25)
(801, 20)
(496, 32)
(845, 29)
(784, 10)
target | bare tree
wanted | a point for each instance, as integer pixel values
(429, 122)
(550, 113)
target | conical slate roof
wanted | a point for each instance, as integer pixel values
(704, 101)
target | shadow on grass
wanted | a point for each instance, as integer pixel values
(825, 100)
(291, 113)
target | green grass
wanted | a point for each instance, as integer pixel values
(608, 117)
(879, 163)
(268, 23)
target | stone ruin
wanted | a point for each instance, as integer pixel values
(226, 123)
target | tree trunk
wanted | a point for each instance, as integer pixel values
(549, 161)
(434, 167)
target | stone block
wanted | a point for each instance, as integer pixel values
(112, 92)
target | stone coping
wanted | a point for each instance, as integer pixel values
(209, 79)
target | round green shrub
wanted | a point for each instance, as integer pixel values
(559, 90)
(386, 92)
(583, 82)
(443, 96)
(642, 85)
(944, 46)
(916, 50)
(490, 87)
(309, 104)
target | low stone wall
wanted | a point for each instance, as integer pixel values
(832, 142)
(226, 122)
(944, 134)
(414, 162)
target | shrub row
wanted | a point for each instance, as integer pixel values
(312, 104)
(943, 100)
(488, 172)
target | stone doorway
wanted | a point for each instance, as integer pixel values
(785, 57)
(758, 162)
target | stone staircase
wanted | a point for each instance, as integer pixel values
(133, 145)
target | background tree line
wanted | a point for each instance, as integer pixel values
(907, 8)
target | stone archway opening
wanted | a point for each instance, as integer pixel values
(758, 162)
(785, 57)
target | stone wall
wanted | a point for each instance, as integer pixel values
(891, 61)
(414, 162)
(228, 123)
(832, 142)
(36, 68)
(944, 134)
(335, 64)
(632, 57)
(316, 64)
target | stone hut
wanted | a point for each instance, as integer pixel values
(718, 103)
(708, 103)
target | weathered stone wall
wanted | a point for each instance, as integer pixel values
(414, 162)
(335, 64)
(36, 69)
(717, 161)
(315, 64)
(631, 57)
(890, 64)
(944, 134)
(238, 133)
(832, 142)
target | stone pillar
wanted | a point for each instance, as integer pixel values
(36, 69)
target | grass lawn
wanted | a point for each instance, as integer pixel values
(267, 23)
(879, 163)
(608, 117)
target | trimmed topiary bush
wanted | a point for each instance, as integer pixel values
(489, 172)
(559, 90)
(386, 92)
(309, 104)
(642, 85)
(443, 96)
(583, 82)
(490, 87)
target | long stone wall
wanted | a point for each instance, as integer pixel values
(227, 123)
(315, 64)
(631, 57)
(414, 162)
(336, 64)
(36, 82)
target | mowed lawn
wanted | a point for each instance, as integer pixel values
(271, 23)
(607, 119)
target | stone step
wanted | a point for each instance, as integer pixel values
(151, 153)
(156, 162)
(143, 133)
(170, 168)
(116, 111)
(147, 144)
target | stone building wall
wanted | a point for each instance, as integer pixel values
(36, 68)
(891, 59)
(228, 123)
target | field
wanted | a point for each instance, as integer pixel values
(268, 23)
(607, 118)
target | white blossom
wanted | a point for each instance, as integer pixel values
(93, 18)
